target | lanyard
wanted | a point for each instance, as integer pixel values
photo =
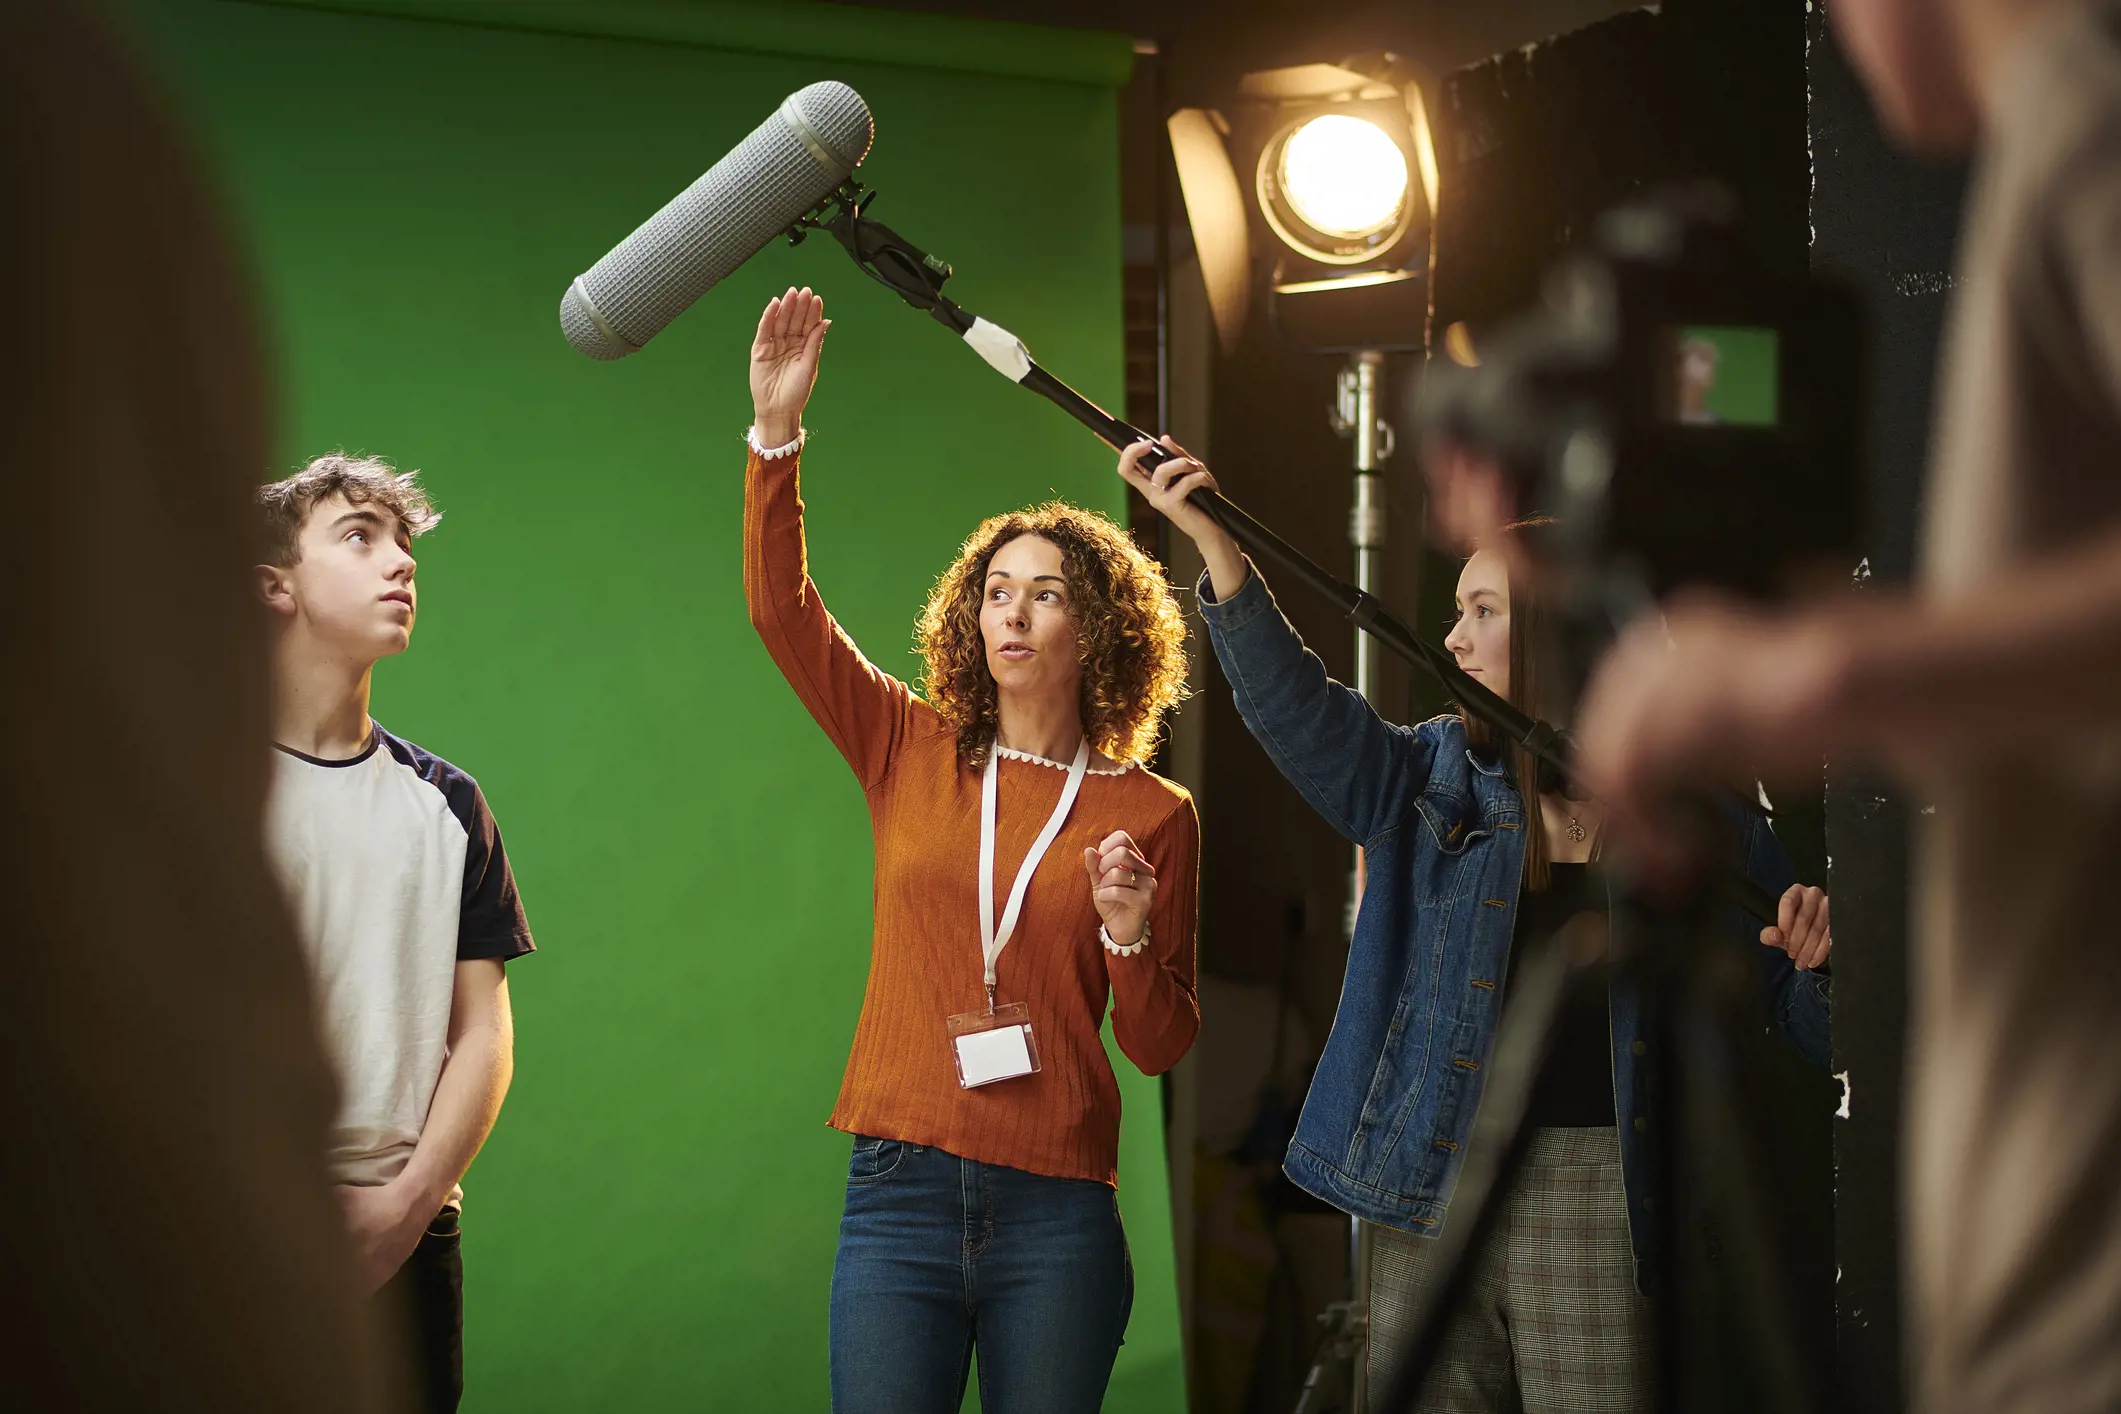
(991, 942)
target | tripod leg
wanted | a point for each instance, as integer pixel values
(1724, 1149)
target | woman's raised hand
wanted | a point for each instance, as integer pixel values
(1170, 487)
(784, 360)
(1123, 884)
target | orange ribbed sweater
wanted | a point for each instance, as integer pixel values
(924, 962)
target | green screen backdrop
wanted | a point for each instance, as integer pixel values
(652, 1224)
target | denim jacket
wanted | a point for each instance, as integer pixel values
(1393, 1098)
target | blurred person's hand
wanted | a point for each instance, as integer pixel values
(1471, 496)
(1710, 694)
(386, 1226)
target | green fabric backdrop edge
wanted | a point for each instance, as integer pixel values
(567, 1325)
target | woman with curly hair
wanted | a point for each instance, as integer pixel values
(980, 1196)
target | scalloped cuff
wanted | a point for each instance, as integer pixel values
(751, 437)
(1105, 936)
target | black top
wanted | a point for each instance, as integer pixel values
(1576, 1088)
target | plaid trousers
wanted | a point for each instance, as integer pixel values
(1552, 1321)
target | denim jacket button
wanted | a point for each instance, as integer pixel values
(1642, 1048)
(1641, 1124)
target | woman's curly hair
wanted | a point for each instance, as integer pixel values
(1128, 631)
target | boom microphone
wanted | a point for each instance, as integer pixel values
(789, 164)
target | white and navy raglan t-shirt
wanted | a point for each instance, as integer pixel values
(393, 866)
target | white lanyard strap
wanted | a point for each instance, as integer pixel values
(991, 942)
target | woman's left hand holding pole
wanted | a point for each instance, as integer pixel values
(784, 359)
(1124, 886)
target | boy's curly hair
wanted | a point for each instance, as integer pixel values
(362, 481)
(1127, 624)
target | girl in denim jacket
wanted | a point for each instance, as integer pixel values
(1459, 865)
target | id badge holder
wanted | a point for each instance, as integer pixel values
(993, 1045)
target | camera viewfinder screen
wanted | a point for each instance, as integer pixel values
(1722, 375)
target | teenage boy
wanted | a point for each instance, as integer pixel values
(401, 894)
(1995, 689)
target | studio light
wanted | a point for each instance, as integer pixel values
(1335, 188)
(1338, 209)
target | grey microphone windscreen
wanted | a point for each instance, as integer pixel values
(790, 163)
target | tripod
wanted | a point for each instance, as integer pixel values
(1687, 1050)
(1689, 1056)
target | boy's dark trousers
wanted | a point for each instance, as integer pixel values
(426, 1301)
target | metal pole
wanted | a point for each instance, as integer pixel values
(1355, 415)
(1366, 522)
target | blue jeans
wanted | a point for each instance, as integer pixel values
(938, 1253)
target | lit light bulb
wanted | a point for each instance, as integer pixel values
(1344, 176)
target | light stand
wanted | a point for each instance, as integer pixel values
(1355, 416)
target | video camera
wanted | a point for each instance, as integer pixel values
(1688, 417)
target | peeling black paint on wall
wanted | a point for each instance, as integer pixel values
(1889, 224)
